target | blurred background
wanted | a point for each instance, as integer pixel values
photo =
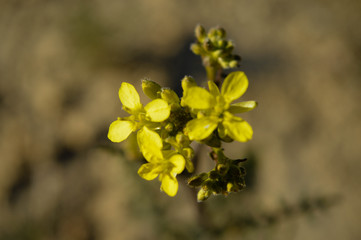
(62, 63)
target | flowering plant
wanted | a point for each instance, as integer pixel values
(167, 125)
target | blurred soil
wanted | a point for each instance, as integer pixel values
(62, 63)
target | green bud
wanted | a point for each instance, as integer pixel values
(182, 139)
(213, 175)
(197, 181)
(216, 53)
(242, 170)
(169, 95)
(169, 127)
(229, 46)
(223, 63)
(234, 172)
(188, 152)
(200, 33)
(150, 88)
(188, 82)
(221, 32)
(231, 187)
(167, 146)
(203, 195)
(212, 33)
(233, 64)
(222, 168)
(222, 43)
(208, 45)
(196, 48)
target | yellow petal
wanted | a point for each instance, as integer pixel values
(238, 129)
(242, 107)
(119, 130)
(234, 86)
(129, 96)
(198, 98)
(178, 163)
(150, 144)
(157, 110)
(147, 171)
(199, 129)
(169, 185)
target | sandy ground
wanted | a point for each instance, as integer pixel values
(62, 62)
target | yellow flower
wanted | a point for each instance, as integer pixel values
(165, 164)
(151, 115)
(214, 109)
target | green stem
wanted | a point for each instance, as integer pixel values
(214, 74)
(211, 73)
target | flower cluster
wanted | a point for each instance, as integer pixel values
(168, 124)
(215, 50)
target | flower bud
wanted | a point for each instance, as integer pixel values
(231, 187)
(222, 168)
(213, 175)
(169, 127)
(203, 195)
(188, 82)
(150, 88)
(221, 32)
(197, 181)
(222, 43)
(182, 139)
(208, 45)
(200, 33)
(233, 64)
(169, 95)
(196, 48)
(188, 153)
